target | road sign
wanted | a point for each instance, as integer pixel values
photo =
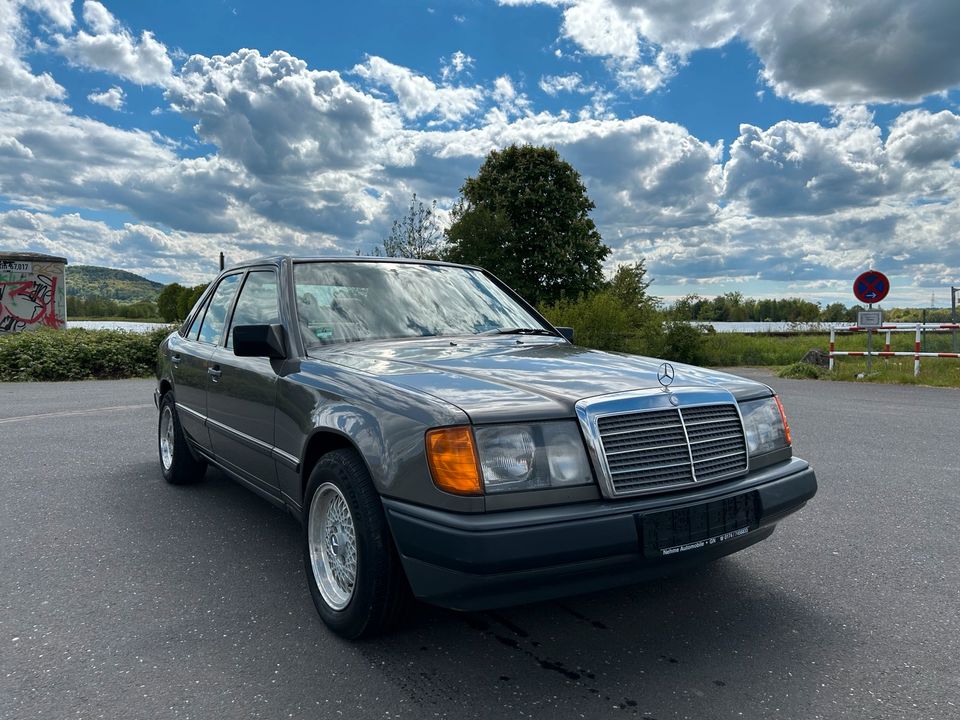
(871, 286)
(869, 318)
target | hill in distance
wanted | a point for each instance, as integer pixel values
(92, 281)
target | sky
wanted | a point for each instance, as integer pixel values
(769, 147)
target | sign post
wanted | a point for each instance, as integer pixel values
(954, 291)
(870, 287)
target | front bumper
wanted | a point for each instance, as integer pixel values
(475, 562)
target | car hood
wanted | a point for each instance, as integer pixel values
(506, 378)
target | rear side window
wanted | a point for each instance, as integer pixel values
(258, 303)
(197, 314)
(216, 315)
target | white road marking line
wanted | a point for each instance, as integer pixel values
(68, 413)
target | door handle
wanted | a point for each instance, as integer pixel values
(175, 358)
(214, 373)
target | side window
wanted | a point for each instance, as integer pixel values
(216, 314)
(258, 303)
(197, 314)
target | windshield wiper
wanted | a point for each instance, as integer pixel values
(517, 331)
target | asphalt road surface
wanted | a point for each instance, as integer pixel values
(123, 597)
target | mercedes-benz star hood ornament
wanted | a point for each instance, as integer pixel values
(665, 375)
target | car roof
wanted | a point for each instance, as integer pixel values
(280, 259)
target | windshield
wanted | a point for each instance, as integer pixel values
(351, 301)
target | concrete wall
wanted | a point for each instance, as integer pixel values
(32, 292)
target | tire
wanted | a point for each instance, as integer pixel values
(353, 570)
(177, 463)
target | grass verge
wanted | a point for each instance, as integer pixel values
(785, 352)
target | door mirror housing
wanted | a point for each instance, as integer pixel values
(260, 341)
(567, 332)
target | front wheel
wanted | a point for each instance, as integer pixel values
(177, 463)
(353, 571)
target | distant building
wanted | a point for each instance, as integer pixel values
(33, 293)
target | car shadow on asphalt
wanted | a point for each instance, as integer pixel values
(727, 625)
(713, 630)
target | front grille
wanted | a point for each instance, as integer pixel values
(657, 449)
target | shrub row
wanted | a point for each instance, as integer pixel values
(79, 354)
(602, 321)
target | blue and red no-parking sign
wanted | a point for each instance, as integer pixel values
(871, 286)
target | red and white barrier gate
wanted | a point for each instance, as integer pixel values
(919, 327)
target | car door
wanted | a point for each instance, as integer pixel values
(189, 359)
(241, 396)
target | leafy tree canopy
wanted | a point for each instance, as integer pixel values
(525, 217)
(176, 301)
(629, 285)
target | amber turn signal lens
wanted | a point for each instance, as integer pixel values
(783, 416)
(453, 460)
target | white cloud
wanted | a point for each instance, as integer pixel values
(276, 117)
(827, 51)
(839, 52)
(113, 49)
(796, 168)
(418, 95)
(112, 98)
(510, 102)
(922, 138)
(601, 28)
(11, 147)
(556, 84)
(524, 3)
(16, 78)
(458, 63)
(98, 18)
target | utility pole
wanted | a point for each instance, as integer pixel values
(221, 260)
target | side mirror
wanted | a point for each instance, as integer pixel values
(567, 332)
(259, 341)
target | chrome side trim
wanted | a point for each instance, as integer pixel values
(291, 461)
(241, 436)
(199, 416)
(287, 459)
(628, 403)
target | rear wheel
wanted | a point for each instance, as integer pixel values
(352, 568)
(177, 463)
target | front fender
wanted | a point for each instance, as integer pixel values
(383, 423)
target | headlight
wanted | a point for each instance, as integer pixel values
(765, 425)
(530, 457)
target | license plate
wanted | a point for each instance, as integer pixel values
(680, 530)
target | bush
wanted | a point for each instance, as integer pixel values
(682, 342)
(801, 371)
(79, 354)
(600, 321)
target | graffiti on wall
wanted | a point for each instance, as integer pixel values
(31, 299)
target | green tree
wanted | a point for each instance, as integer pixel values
(629, 284)
(834, 312)
(175, 301)
(167, 302)
(525, 216)
(187, 298)
(417, 234)
(686, 308)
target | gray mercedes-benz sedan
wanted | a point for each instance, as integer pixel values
(438, 438)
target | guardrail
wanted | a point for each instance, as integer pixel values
(919, 328)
